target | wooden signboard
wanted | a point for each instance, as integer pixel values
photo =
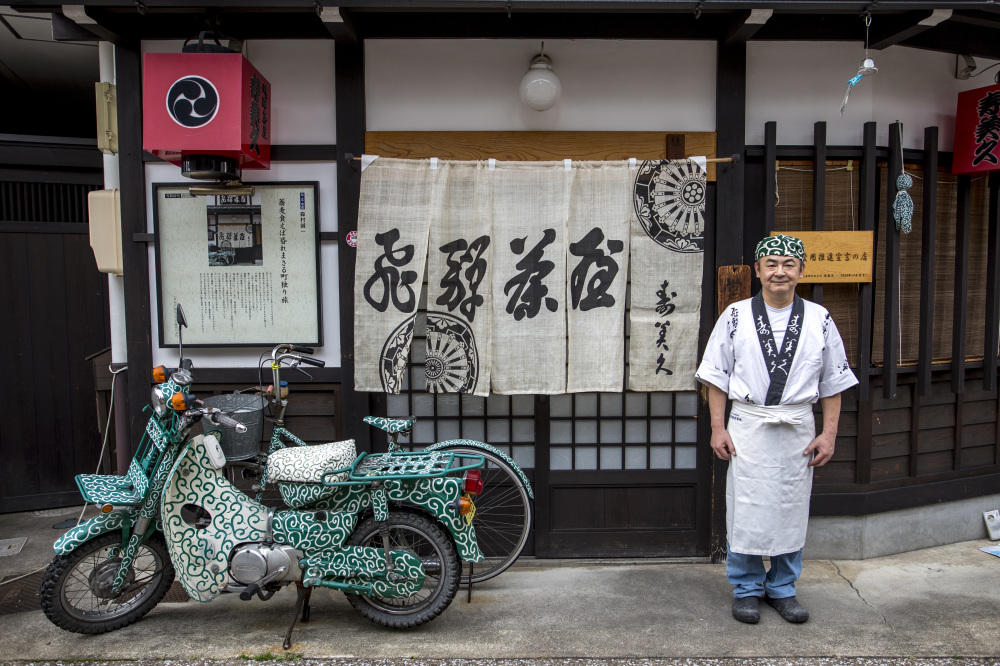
(836, 256)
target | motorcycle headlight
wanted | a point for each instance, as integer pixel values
(159, 402)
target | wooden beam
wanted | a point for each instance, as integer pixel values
(897, 34)
(819, 192)
(866, 204)
(960, 310)
(135, 258)
(538, 146)
(890, 332)
(747, 25)
(339, 24)
(928, 251)
(350, 119)
(770, 173)
(990, 338)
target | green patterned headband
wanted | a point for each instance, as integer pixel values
(782, 246)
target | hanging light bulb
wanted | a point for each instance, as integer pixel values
(540, 86)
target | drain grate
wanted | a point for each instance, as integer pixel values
(10, 547)
(20, 595)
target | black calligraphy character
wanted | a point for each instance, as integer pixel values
(454, 295)
(987, 136)
(592, 255)
(661, 341)
(659, 366)
(664, 307)
(527, 285)
(254, 113)
(394, 282)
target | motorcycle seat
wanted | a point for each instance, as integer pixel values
(307, 464)
(391, 426)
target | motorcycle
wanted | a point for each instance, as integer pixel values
(391, 536)
(503, 509)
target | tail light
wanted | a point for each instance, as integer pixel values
(472, 483)
(159, 374)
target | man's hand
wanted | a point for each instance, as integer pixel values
(821, 449)
(722, 444)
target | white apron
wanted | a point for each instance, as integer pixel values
(769, 480)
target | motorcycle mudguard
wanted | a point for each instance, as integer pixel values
(218, 516)
(434, 495)
(95, 527)
(473, 444)
(365, 567)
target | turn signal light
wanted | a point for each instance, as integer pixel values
(107, 508)
(472, 484)
(180, 402)
(464, 505)
(159, 374)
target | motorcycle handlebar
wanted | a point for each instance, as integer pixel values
(219, 418)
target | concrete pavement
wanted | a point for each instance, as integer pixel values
(939, 602)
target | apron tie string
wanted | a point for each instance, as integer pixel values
(783, 418)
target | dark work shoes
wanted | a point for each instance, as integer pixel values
(747, 609)
(788, 608)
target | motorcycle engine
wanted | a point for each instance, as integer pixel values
(250, 562)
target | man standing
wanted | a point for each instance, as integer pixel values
(774, 355)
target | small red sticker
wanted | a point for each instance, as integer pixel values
(352, 238)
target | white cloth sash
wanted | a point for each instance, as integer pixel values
(769, 479)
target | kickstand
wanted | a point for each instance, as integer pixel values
(468, 599)
(301, 604)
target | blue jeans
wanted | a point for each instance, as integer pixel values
(747, 576)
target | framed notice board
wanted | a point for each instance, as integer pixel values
(245, 268)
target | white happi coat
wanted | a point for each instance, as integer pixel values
(769, 480)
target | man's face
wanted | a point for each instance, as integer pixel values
(778, 275)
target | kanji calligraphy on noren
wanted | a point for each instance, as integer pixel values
(245, 268)
(527, 266)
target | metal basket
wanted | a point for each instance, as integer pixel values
(248, 410)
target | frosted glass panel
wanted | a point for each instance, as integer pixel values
(524, 405)
(497, 405)
(687, 404)
(659, 431)
(686, 431)
(686, 457)
(524, 456)
(397, 405)
(423, 432)
(423, 404)
(561, 457)
(417, 379)
(447, 429)
(586, 404)
(586, 432)
(447, 404)
(561, 405)
(561, 432)
(473, 405)
(611, 457)
(611, 404)
(497, 431)
(586, 457)
(524, 430)
(635, 431)
(418, 351)
(635, 404)
(635, 457)
(473, 429)
(659, 404)
(611, 432)
(659, 457)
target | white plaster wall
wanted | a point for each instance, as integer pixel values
(799, 83)
(303, 112)
(473, 85)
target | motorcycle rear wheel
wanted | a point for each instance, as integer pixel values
(414, 533)
(72, 590)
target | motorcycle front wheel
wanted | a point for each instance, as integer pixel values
(75, 589)
(416, 534)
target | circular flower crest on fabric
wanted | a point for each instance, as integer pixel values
(780, 246)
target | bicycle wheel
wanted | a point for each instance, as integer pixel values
(503, 515)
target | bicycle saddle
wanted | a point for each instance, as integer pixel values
(392, 426)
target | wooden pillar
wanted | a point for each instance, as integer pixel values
(730, 123)
(960, 310)
(770, 173)
(135, 259)
(928, 251)
(992, 323)
(819, 192)
(350, 90)
(890, 333)
(868, 196)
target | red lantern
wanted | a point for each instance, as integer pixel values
(208, 113)
(977, 131)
